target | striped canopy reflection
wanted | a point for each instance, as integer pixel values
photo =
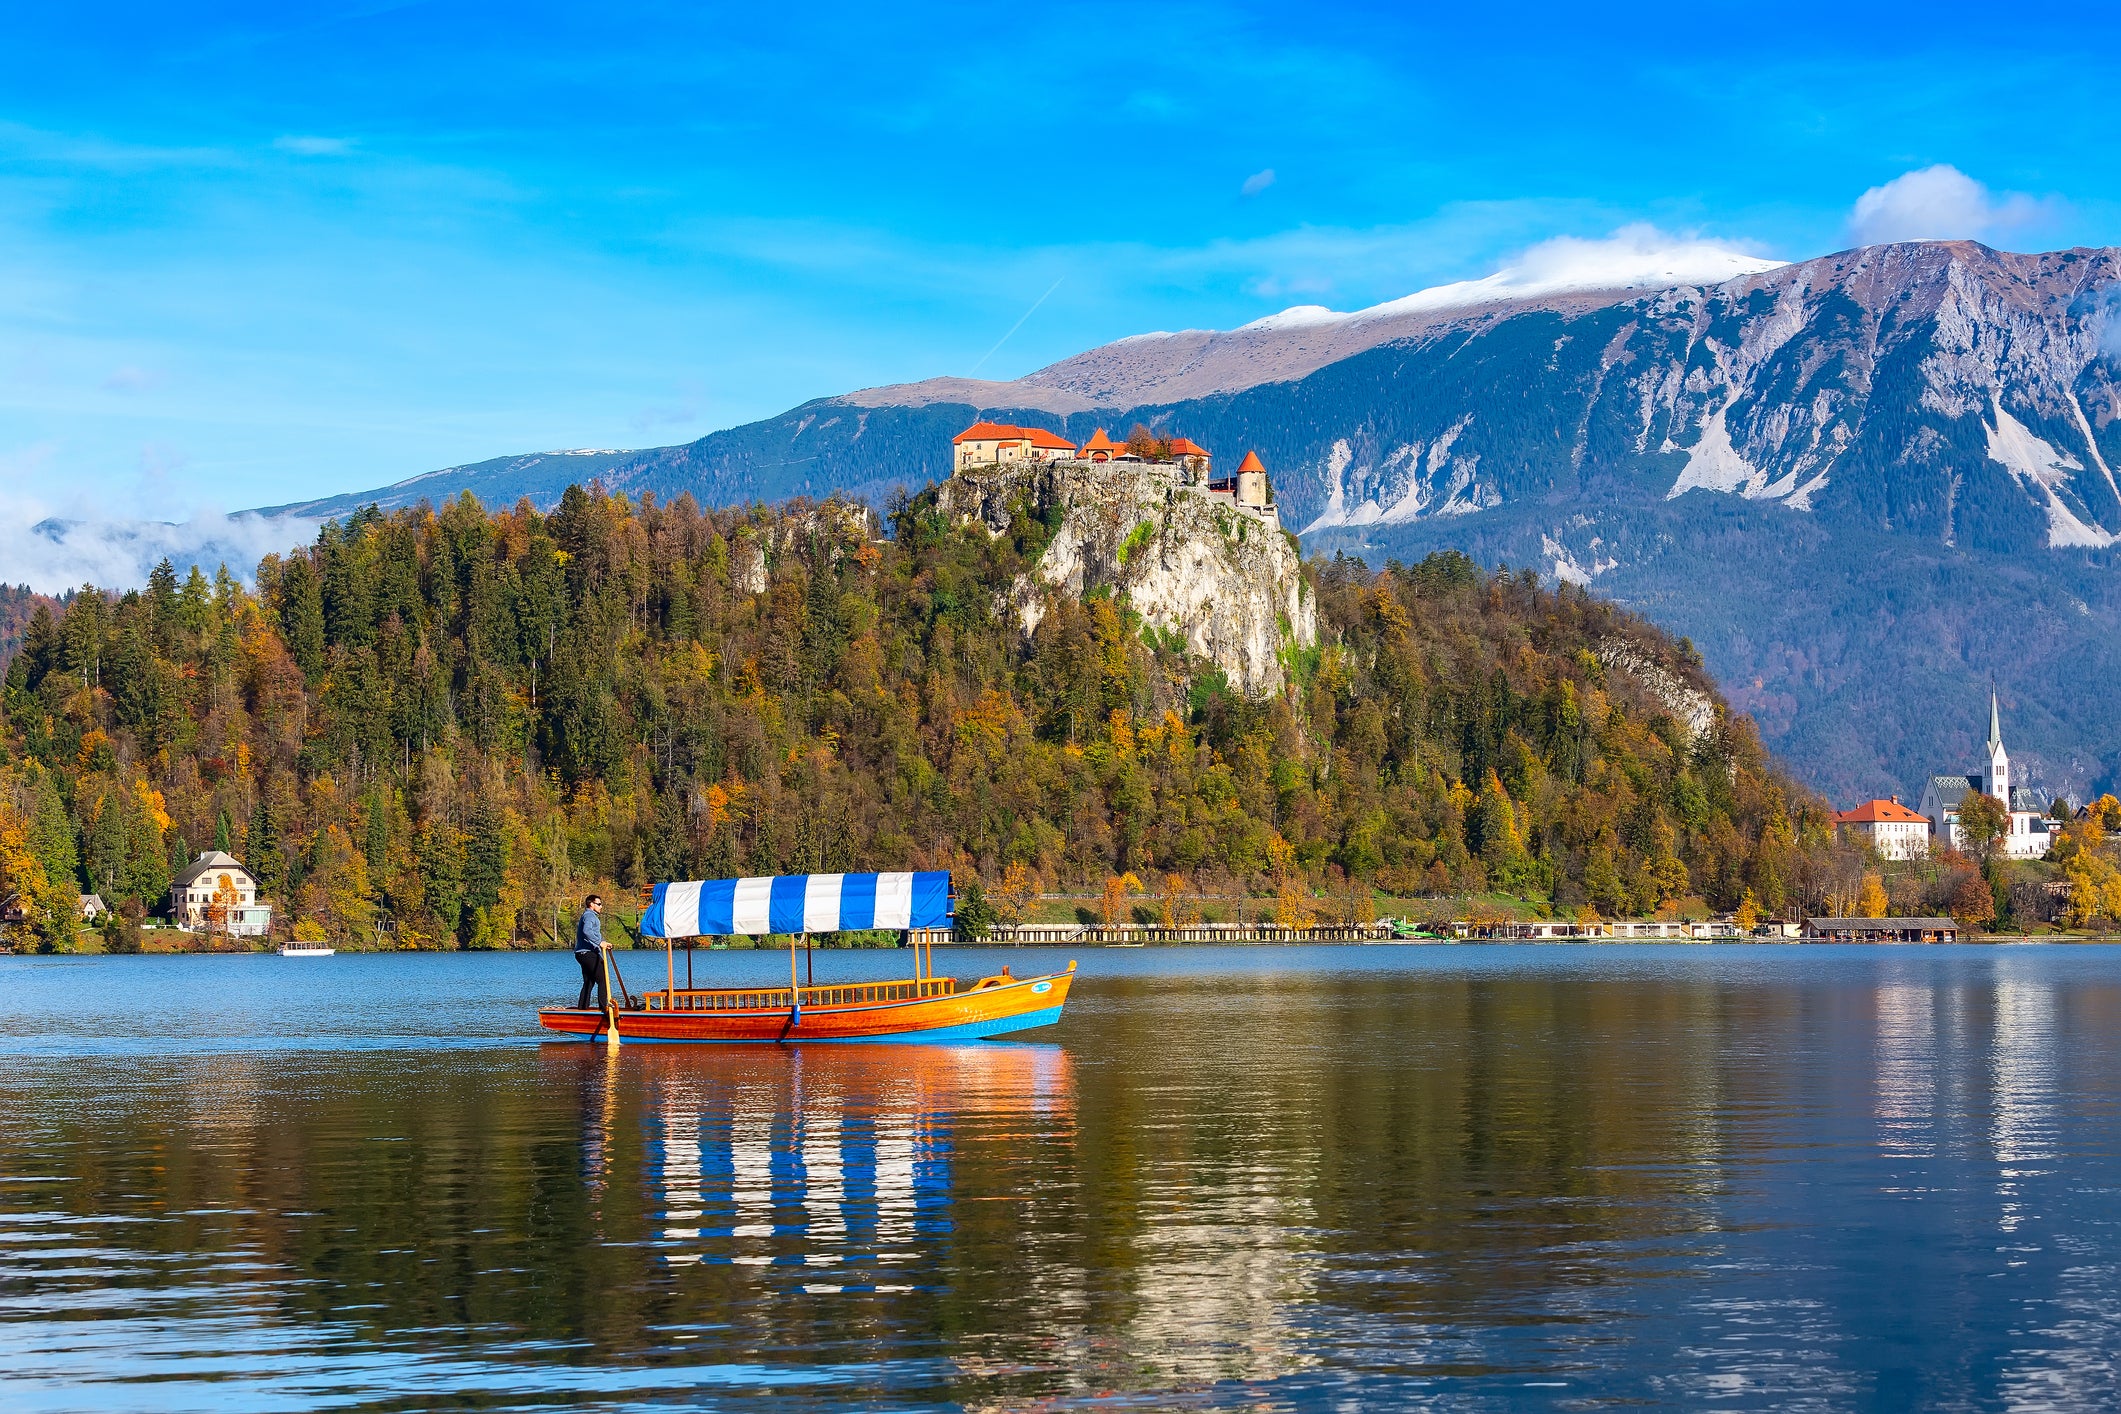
(798, 903)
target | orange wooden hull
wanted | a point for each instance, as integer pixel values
(978, 1014)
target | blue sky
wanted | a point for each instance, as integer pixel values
(252, 252)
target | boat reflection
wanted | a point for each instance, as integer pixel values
(835, 1159)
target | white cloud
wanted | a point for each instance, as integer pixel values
(310, 146)
(1258, 182)
(54, 548)
(1939, 203)
(1633, 257)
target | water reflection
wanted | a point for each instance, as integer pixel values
(1467, 1177)
(1907, 1070)
(828, 1157)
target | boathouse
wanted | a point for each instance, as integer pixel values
(1880, 930)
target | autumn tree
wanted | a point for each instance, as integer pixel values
(1113, 906)
(1871, 901)
(1012, 896)
(1971, 900)
(1983, 823)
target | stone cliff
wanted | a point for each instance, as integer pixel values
(1188, 560)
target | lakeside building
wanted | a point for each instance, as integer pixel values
(2027, 834)
(1887, 826)
(1880, 930)
(217, 894)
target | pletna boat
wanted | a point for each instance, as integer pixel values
(924, 1007)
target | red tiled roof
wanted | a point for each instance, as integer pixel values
(1251, 463)
(1008, 432)
(1873, 812)
(1099, 442)
(1182, 447)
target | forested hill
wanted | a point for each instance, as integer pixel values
(433, 728)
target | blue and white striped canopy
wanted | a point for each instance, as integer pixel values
(798, 903)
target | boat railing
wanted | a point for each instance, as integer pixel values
(779, 998)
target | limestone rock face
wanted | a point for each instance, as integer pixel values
(1694, 709)
(1188, 561)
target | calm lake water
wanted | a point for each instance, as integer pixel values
(1259, 1178)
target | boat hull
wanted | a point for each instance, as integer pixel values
(975, 1015)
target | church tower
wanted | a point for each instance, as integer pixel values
(1999, 764)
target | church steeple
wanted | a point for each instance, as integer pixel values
(1999, 764)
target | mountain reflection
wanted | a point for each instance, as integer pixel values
(1674, 1179)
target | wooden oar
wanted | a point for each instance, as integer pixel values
(611, 1010)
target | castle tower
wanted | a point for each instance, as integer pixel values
(1251, 481)
(1999, 763)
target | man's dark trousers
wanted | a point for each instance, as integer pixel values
(592, 977)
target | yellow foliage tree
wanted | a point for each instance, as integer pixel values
(2094, 890)
(1293, 910)
(1012, 896)
(1748, 915)
(1118, 889)
(1870, 900)
(47, 907)
(1174, 902)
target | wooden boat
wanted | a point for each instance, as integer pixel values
(923, 1008)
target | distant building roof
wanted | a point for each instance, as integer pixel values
(1183, 447)
(1873, 812)
(1882, 925)
(1099, 442)
(2026, 798)
(988, 432)
(1251, 462)
(1951, 788)
(206, 864)
(1010, 432)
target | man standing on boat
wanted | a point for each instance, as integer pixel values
(589, 951)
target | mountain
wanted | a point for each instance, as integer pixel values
(1866, 486)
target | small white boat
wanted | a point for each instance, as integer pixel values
(304, 950)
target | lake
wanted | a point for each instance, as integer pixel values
(1464, 1177)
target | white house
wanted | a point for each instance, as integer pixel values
(2027, 837)
(215, 891)
(1887, 826)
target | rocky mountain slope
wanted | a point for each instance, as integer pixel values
(1865, 485)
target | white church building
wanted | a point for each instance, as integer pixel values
(2029, 827)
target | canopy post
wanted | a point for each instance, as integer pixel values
(670, 959)
(795, 990)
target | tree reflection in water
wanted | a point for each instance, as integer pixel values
(1664, 1176)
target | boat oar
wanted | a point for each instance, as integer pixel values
(611, 1010)
(631, 1002)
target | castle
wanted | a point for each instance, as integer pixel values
(1189, 464)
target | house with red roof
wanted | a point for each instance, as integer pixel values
(1887, 826)
(986, 443)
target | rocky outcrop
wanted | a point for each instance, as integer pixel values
(1692, 708)
(1189, 561)
(843, 526)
